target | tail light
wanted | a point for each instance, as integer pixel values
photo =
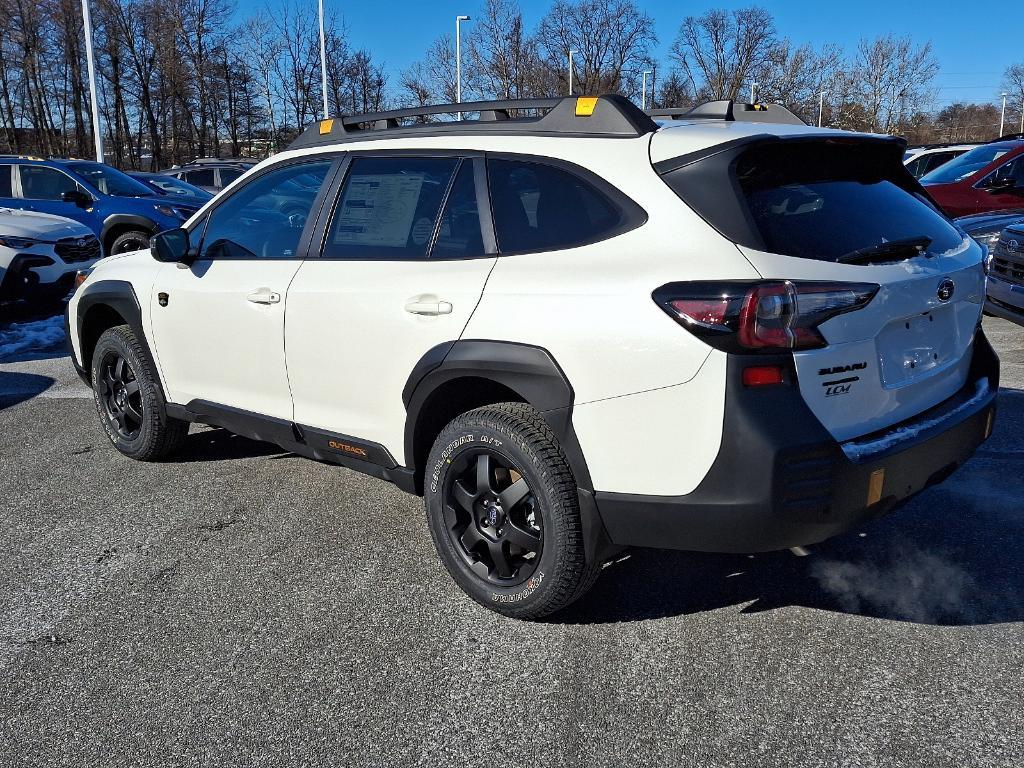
(740, 317)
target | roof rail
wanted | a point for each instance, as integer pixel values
(222, 161)
(731, 111)
(1007, 137)
(611, 116)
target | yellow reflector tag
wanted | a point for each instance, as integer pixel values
(585, 106)
(326, 126)
(875, 484)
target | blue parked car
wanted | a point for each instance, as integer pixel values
(169, 185)
(123, 212)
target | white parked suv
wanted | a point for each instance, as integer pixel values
(571, 332)
(40, 254)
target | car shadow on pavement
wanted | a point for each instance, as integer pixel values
(954, 555)
(217, 444)
(18, 387)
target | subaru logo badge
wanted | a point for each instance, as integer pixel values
(945, 291)
(81, 242)
(1012, 245)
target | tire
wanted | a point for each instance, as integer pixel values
(128, 399)
(132, 240)
(516, 549)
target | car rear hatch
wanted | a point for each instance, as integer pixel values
(820, 212)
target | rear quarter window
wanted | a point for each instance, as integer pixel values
(540, 206)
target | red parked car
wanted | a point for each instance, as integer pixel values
(987, 178)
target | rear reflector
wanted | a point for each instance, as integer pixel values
(875, 484)
(763, 375)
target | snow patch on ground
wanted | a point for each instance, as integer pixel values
(36, 336)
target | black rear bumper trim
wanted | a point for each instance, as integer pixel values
(780, 480)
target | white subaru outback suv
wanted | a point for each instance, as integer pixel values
(571, 332)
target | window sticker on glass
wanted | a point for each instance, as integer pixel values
(378, 210)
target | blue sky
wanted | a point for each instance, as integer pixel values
(972, 52)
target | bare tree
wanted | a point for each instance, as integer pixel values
(891, 80)
(611, 41)
(502, 60)
(1013, 86)
(795, 76)
(720, 51)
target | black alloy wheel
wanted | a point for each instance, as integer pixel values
(121, 396)
(492, 517)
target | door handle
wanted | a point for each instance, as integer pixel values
(428, 305)
(264, 296)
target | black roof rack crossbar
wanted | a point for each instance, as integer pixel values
(394, 115)
(607, 116)
(730, 111)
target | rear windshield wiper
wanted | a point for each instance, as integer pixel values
(892, 250)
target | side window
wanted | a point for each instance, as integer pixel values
(227, 175)
(937, 159)
(388, 207)
(539, 207)
(915, 166)
(41, 183)
(201, 178)
(6, 186)
(1010, 170)
(264, 219)
(459, 234)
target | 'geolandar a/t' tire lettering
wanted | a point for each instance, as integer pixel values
(504, 514)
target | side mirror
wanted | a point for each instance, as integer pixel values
(78, 197)
(171, 246)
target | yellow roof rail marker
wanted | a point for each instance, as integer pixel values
(326, 126)
(585, 106)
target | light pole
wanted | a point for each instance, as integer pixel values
(1002, 116)
(821, 106)
(1022, 115)
(458, 59)
(753, 90)
(97, 131)
(323, 60)
(643, 96)
(571, 52)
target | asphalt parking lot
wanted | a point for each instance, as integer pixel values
(240, 606)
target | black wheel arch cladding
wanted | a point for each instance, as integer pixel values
(126, 222)
(118, 296)
(529, 371)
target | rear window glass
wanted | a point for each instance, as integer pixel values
(201, 178)
(814, 200)
(5, 181)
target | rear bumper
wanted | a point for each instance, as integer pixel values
(780, 480)
(1005, 300)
